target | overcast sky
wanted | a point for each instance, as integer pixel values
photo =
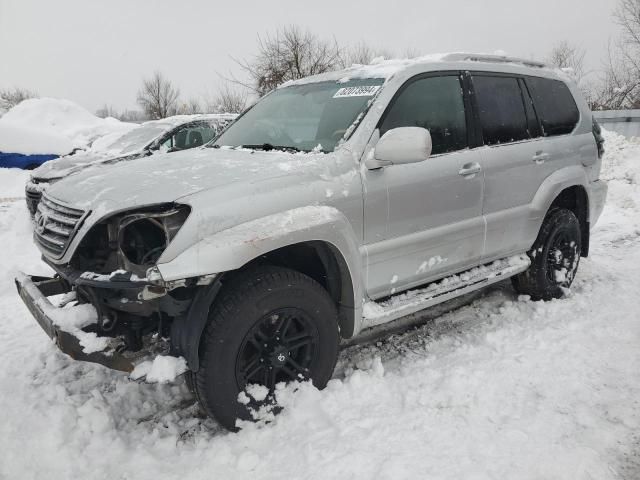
(97, 51)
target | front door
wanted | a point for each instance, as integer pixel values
(424, 220)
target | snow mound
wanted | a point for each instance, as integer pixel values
(29, 141)
(63, 117)
(162, 369)
(620, 160)
(12, 182)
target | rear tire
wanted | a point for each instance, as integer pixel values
(268, 325)
(555, 256)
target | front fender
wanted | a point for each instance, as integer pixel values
(234, 247)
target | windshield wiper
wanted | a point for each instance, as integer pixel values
(268, 146)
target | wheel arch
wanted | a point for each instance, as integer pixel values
(566, 188)
(575, 198)
(317, 241)
(323, 262)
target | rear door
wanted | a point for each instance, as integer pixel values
(514, 163)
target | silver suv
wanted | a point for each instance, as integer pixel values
(336, 203)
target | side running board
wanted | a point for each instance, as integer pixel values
(412, 301)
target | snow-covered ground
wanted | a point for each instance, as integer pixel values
(502, 388)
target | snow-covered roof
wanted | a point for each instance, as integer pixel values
(176, 120)
(32, 141)
(385, 69)
(63, 117)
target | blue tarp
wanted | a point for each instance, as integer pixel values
(18, 160)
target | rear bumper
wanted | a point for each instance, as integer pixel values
(34, 292)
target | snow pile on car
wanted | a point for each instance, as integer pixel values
(64, 118)
(30, 141)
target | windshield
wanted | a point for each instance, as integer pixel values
(302, 117)
(138, 138)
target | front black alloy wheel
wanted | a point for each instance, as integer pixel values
(268, 325)
(279, 348)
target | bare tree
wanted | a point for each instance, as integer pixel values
(10, 97)
(620, 83)
(567, 56)
(361, 54)
(190, 107)
(158, 97)
(133, 116)
(107, 111)
(411, 52)
(228, 100)
(288, 54)
(619, 87)
(627, 15)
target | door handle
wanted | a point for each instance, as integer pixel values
(540, 157)
(469, 169)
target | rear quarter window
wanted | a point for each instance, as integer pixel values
(554, 104)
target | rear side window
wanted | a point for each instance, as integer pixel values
(434, 103)
(555, 105)
(502, 109)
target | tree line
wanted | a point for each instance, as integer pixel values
(290, 53)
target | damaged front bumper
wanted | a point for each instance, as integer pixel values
(35, 291)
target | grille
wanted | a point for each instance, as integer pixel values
(33, 198)
(55, 226)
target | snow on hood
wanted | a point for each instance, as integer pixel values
(31, 141)
(69, 164)
(165, 178)
(65, 118)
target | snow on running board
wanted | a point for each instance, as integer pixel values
(406, 303)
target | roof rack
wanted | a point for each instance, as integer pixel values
(474, 57)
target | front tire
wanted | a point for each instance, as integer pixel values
(269, 325)
(555, 256)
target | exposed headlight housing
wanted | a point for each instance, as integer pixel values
(143, 236)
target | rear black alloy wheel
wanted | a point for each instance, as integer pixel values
(561, 257)
(279, 348)
(555, 256)
(268, 325)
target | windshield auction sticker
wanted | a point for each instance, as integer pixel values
(361, 91)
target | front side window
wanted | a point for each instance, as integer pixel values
(434, 103)
(303, 117)
(189, 136)
(502, 109)
(555, 105)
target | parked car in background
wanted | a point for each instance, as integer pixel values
(28, 148)
(171, 134)
(336, 203)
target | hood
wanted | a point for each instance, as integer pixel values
(70, 164)
(165, 178)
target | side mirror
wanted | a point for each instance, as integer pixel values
(399, 146)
